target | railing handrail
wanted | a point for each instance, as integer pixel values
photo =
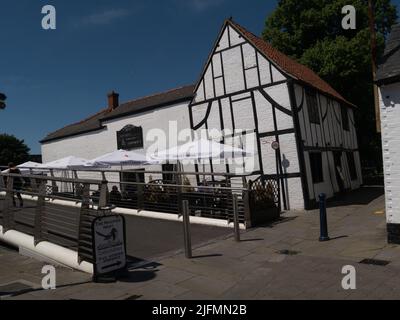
(105, 170)
(99, 182)
(50, 178)
(177, 185)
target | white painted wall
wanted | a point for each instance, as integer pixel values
(329, 133)
(390, 117)
(236, 66)
(94, 144)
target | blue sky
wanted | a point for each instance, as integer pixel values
(54, 78)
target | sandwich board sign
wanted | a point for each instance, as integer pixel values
(109, 251)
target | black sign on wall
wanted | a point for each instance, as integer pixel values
(130, 137)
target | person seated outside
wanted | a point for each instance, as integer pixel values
(115, 195)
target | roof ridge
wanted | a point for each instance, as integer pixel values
(156, 94)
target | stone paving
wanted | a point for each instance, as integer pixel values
(280, 261)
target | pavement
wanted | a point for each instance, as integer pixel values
(283, 260)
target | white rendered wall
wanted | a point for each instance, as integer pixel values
(390, 117)
(95, 144)
(245, 71)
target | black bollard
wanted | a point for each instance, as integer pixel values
(323, 220)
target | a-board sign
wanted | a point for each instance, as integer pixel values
(109, 250)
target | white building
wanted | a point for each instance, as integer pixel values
(246, 88)
(388, 79)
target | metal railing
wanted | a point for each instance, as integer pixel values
(209, 194)
(61, 209)
(27, 206)
(40, 206)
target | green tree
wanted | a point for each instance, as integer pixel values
(311, 32)
(12, 150)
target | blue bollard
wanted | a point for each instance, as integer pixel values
(323, 219)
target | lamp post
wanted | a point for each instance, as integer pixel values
(2, 101)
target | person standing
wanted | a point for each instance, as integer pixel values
(17, 184)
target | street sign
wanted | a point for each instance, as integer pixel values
(109, 251)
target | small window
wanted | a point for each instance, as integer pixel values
(345, 118)
(312, 106)
(316, 167)
(352, 165)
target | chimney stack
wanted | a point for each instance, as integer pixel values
(113, 100)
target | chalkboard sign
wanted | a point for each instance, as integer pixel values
(130, 137)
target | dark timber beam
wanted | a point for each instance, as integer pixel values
(299, 143)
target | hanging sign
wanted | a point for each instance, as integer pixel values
(130, 138)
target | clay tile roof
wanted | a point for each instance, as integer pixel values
(288, 65)
(94, 122)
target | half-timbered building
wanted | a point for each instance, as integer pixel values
(249, 87)
(305, 132)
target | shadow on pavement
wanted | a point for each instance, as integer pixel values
(30, 290)
(148, 272)
(207, 256)
(272, 224)
(338, 237)
(362, 196)
(138, 276)
(250, 240)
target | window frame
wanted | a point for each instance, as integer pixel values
(313, 106)
(345, 117)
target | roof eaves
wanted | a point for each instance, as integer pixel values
(149, 108)
(78, 133)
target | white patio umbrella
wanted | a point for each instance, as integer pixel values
(70, 162)
(121, 157)
(28, 166)
(200, 150)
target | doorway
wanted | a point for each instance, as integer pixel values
(337, 156)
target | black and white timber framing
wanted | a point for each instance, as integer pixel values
(242, 88)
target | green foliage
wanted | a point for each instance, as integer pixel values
(311, 32)
(12, 150)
